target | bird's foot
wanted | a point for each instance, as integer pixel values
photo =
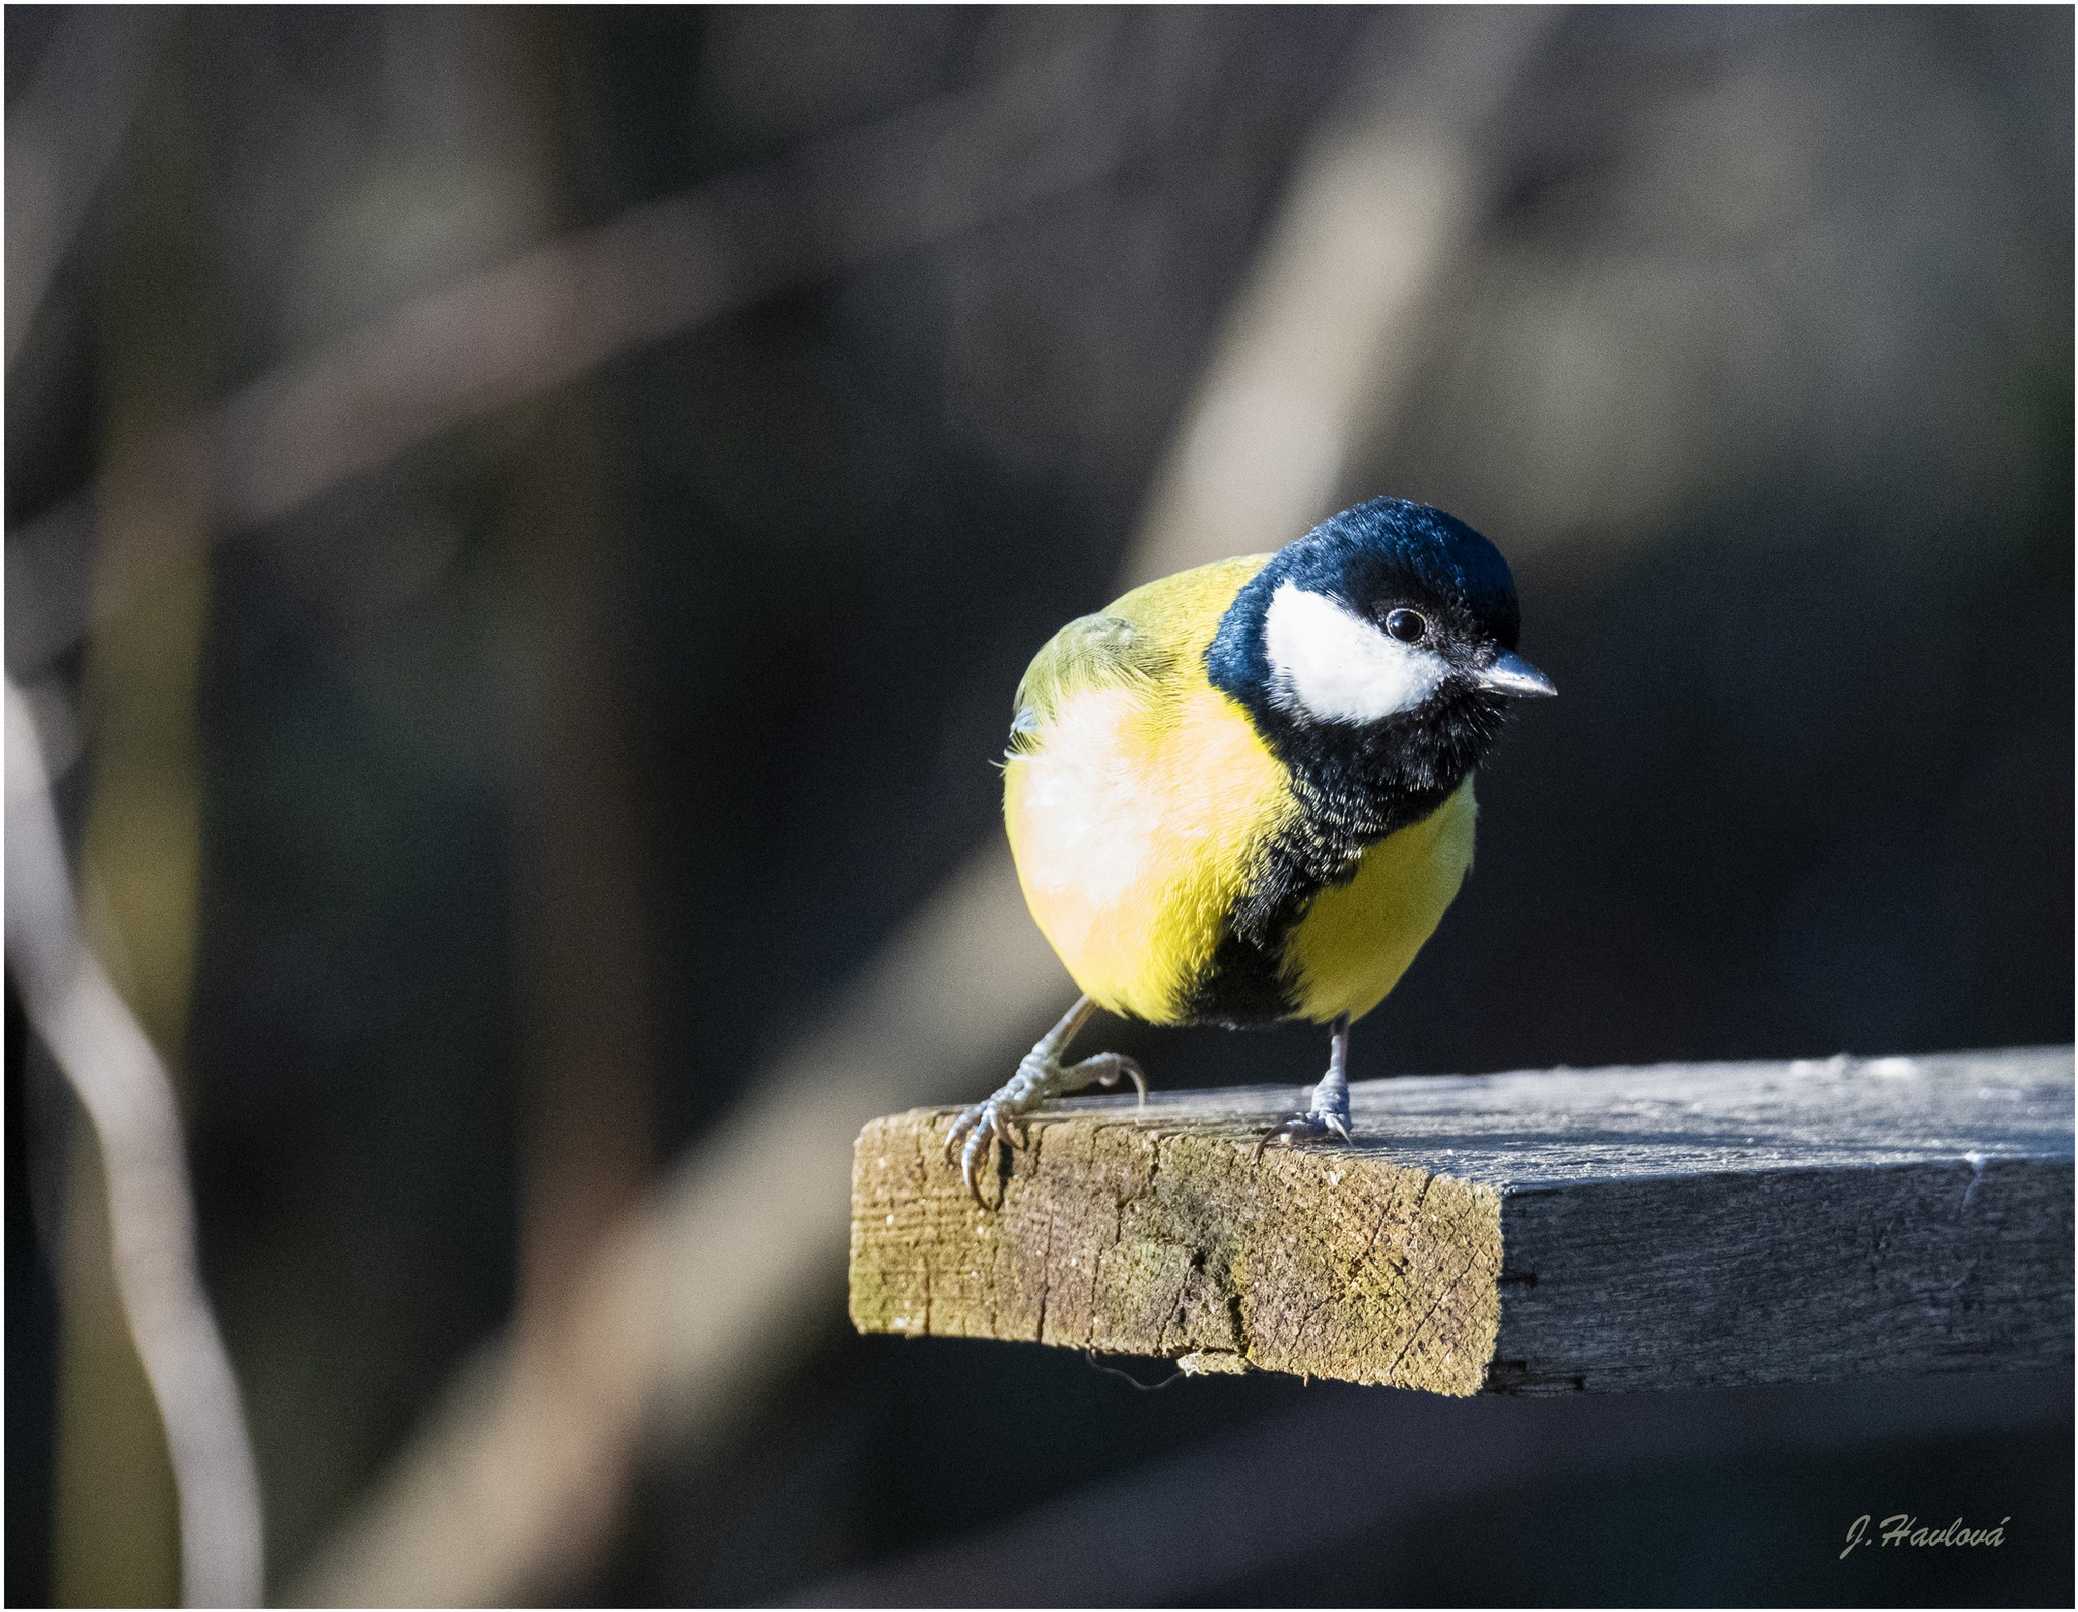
(998, 1118)
(1329, 1115)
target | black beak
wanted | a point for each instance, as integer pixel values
(1516, 677)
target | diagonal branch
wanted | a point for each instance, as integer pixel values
(538, 321)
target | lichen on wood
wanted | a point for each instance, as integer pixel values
(1177, 1242)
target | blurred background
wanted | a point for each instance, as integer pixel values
(522, 526)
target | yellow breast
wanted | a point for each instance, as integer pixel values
(1355, 940)
(1135, 830)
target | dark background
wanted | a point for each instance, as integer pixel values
(499, 733)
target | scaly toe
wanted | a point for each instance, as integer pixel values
(976, 1150)
(1001, 1118)
(1311, 1126)
(1009, 1128)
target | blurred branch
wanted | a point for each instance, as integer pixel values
(140, 847)
(695, 1297)
(128, 1097)
(587, 1066)
(1324, 340)
(62, 137)
(552, 314)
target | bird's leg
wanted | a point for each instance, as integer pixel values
(1040, 1075)
(1330, 1110)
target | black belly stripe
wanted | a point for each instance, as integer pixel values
(1248, 981)
(1244, 984)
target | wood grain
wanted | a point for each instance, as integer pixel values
(1672, 1226)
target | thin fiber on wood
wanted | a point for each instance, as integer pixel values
(1674, 1226)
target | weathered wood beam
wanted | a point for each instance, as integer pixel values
(1675, 1226)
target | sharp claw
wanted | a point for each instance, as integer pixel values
(977, 1149)
(1311, 1123)
(1002, 1119)
(1126, 1067)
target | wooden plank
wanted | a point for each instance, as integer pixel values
(1672, 1226)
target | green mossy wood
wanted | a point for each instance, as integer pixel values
(1663, 1227)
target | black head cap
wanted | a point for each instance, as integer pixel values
(1391, 552)
(1377, 652)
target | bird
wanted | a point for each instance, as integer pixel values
(1243, 794)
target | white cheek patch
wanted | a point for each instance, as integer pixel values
(1330, 664)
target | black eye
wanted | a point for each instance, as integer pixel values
(1407, 625)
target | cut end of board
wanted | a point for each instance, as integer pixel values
(1147, 1235)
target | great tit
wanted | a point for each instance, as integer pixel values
(1243, 794)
